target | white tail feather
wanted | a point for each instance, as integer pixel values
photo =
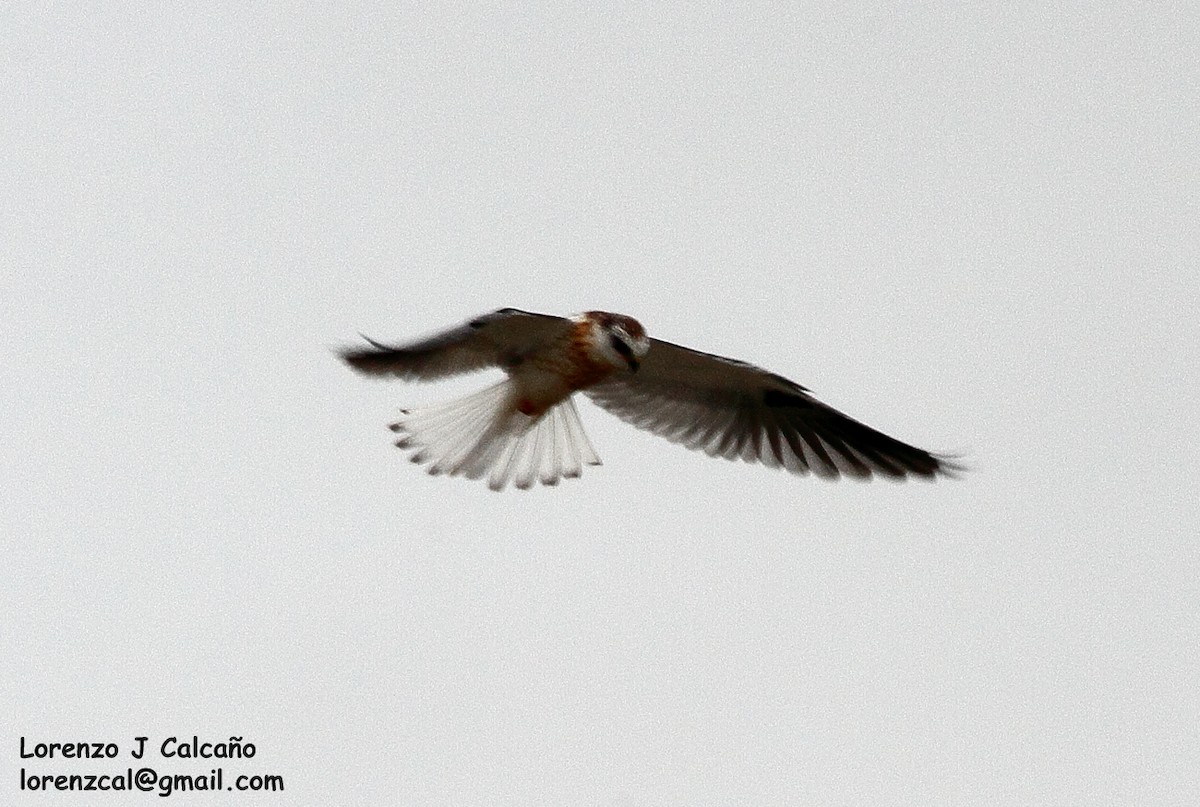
(485, 434)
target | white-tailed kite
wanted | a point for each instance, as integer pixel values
(526, 428)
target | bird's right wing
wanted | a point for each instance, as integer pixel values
(499, 339)
(732, 409)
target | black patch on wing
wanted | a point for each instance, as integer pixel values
(487, 319)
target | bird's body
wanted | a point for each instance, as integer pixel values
(526, 428)
(565, 364)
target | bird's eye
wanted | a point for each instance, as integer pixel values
(618, 344)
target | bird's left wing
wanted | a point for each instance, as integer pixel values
(499, 339)
(732, 409)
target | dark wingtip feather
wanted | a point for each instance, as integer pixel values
(378, 359)
(948, 465)
(884, 456)
(373, 343)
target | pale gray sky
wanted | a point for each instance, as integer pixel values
(973, 228)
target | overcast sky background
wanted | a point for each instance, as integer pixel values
(974, 229)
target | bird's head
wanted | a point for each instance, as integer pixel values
(616, 339)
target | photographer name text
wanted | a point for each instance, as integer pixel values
(172, 747)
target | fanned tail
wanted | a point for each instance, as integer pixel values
(485, 434)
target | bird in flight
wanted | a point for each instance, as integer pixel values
(526, 429)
